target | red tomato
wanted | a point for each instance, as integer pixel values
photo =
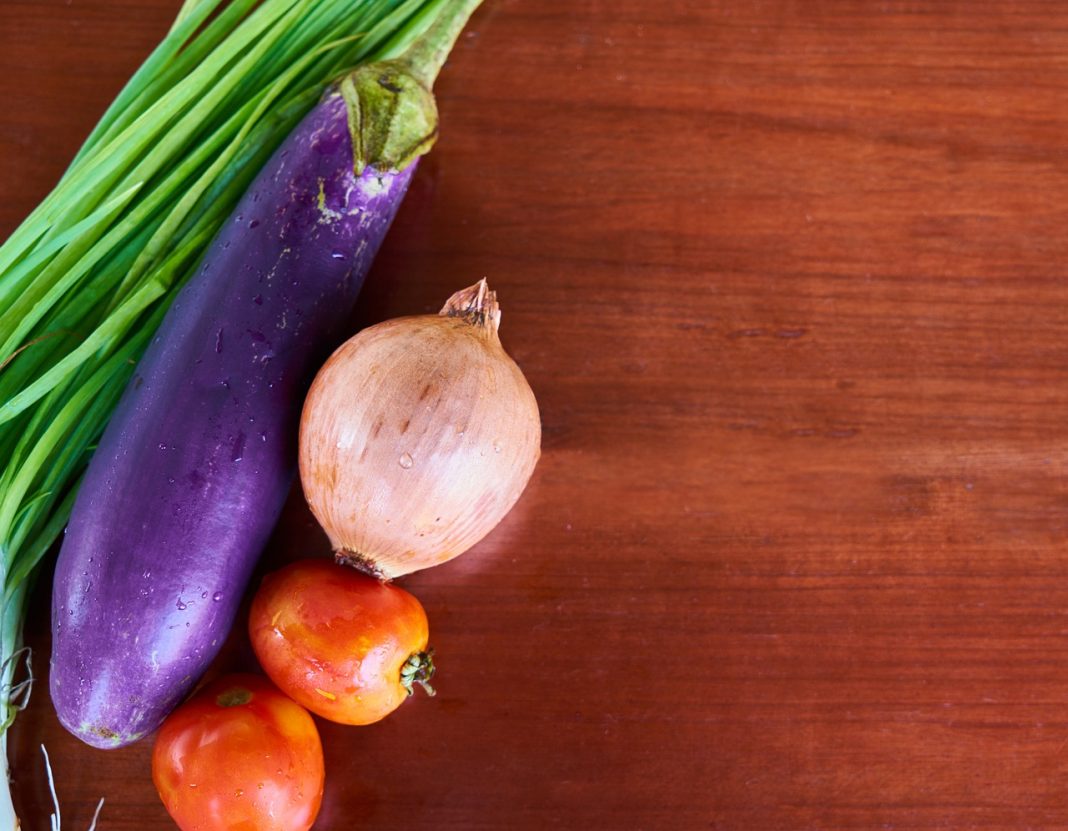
(239, 756)
(344, 645)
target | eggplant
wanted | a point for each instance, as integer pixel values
(192, 471)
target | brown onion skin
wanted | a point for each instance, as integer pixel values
(418, 435)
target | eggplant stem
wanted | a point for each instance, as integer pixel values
(428, 54)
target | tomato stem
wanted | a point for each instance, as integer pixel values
(234, 697)
(418, 669)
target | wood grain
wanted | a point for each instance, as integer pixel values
(789, 280)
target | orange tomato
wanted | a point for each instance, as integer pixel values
(344, 645)
(239, 755)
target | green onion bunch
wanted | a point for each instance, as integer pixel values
(87, 277)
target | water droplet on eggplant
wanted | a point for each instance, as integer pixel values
(239, 448)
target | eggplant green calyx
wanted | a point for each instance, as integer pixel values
(393, 118)
(392, 114)
(418, 669)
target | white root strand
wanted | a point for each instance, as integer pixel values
(55, 820)
(96, 814)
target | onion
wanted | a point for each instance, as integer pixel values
(417, 437)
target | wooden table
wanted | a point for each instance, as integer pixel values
(790, 282)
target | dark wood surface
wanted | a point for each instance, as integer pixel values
(790, 282)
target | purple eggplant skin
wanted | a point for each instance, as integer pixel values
(190, 476)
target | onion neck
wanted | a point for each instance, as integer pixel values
(476, 305)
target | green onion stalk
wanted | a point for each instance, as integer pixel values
(86, 279)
